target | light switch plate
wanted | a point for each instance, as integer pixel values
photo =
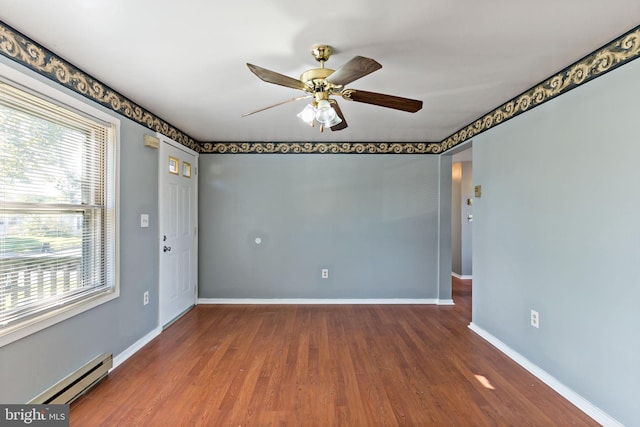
(144, 220)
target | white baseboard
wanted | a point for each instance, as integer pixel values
(327, 301)
(580, 402)
(120, 358)
(463, 277)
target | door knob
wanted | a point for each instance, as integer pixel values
(166, 249)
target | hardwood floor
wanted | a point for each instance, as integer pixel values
(324, 365)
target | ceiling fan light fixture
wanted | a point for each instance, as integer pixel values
(308, 114)
(336, 120)
(325, 114)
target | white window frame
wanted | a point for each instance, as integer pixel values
(35, 84)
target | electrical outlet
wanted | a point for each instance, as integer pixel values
(145, 298)
(325, 273)
(535, 319)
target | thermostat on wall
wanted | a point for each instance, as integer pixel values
(151, 141)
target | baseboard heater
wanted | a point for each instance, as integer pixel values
(78, 383)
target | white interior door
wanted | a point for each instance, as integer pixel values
(178, 230)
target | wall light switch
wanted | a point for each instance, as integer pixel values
(144, 220)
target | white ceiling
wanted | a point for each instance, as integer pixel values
(185, 60)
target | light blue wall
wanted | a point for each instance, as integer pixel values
(32, 364)
(555, 231)
(372, 220)
(444, 224)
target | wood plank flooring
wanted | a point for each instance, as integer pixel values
(324, 365)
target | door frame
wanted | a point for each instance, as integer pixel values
(194, 171)
(446, 212)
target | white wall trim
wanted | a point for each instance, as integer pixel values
(120, 358)
(463, 277)
(335, 301)
(580, 402)
(445, 302)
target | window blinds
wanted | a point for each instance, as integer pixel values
(57, 224)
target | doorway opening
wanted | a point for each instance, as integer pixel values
(462, 214)
(462, 198)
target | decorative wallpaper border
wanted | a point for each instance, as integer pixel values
(619, 52)
(318, 148)
(25, 51)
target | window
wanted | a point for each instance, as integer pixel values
(58, 219)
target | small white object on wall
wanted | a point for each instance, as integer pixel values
(151, 141)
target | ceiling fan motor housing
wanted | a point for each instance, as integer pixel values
(315, 79)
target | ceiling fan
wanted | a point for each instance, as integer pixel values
(322, 83)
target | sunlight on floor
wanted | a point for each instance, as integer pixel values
(484, 381)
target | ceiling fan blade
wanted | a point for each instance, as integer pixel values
(382, 100)
(343, 123)
(357, 67)
(277, 105)
(277, 78)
